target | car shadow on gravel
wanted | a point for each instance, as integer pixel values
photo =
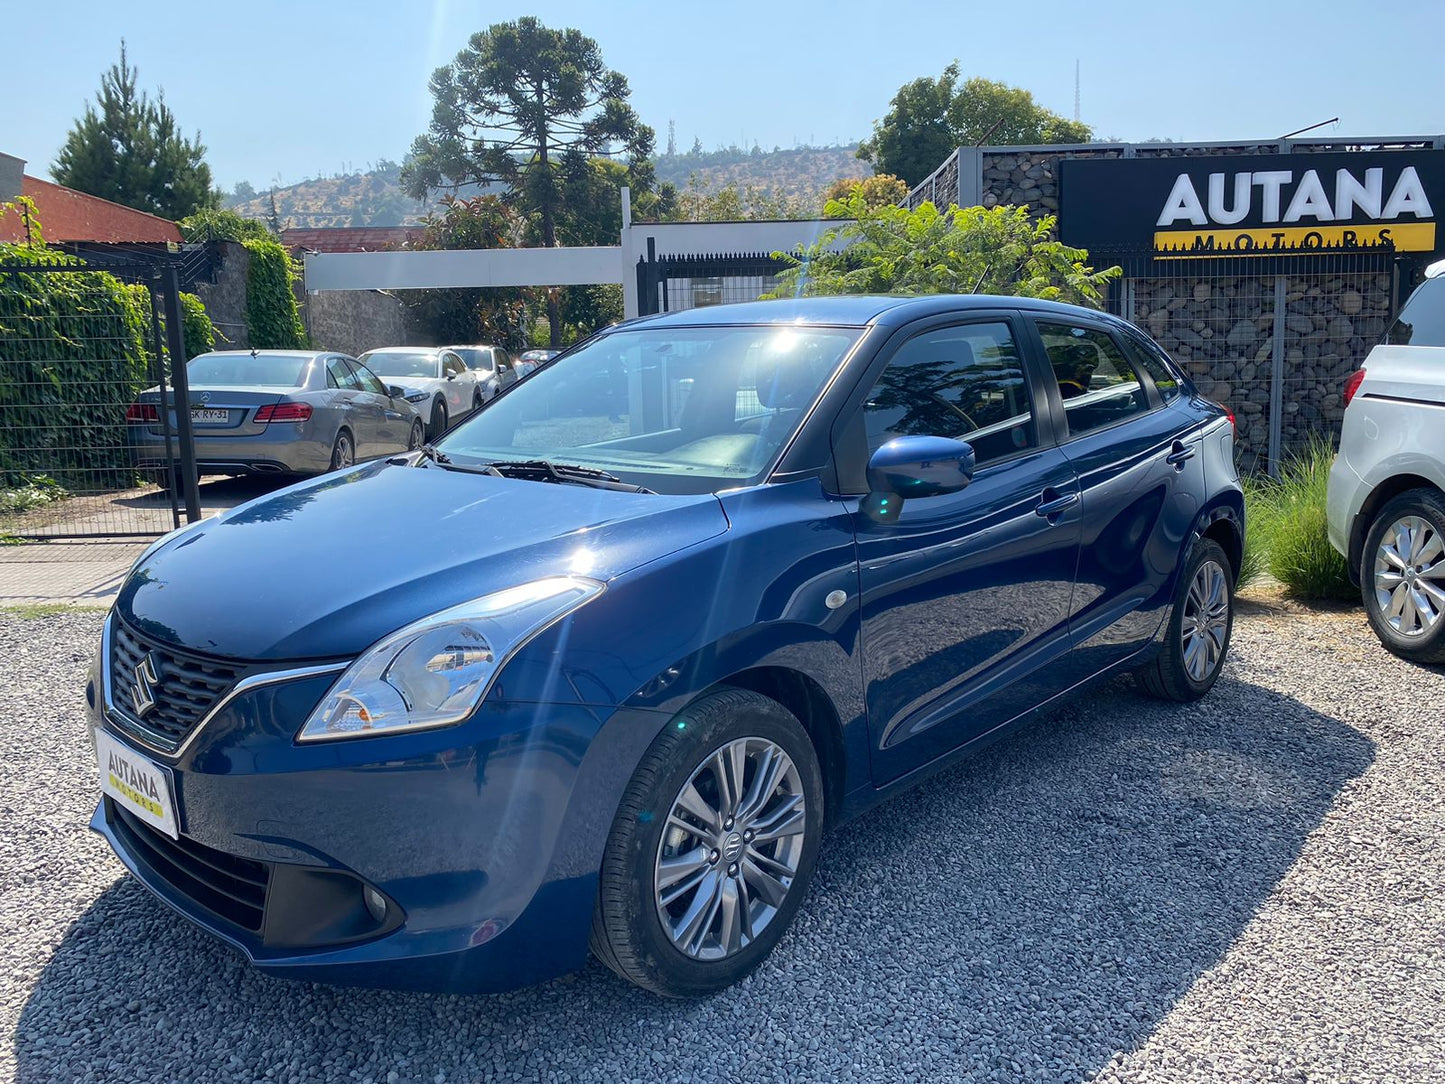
(1022, 916)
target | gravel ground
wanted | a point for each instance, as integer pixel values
(1247, 889)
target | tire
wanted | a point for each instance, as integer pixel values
(628, 932)
(1178, 672)
(417, 437)
(1414, 633)
(438, 420)
(477, 401)
(343, 451)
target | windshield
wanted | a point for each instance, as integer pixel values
(475, 358)
(422, 363)
(247, 370)
(678, 410)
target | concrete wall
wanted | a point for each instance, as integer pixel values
(354, 321)
(225, 299)
(12, 173)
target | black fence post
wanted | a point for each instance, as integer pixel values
(158, 367)
(176, 347)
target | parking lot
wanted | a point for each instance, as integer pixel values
(1248, 888)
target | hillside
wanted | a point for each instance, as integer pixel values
(376, 198)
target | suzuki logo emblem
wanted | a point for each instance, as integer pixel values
(143, 692)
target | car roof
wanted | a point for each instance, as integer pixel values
(855, 311)
(406, 349)
(298, 355)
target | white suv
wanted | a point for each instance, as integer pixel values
(1386, 505)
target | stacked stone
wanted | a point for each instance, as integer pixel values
(1028, 177)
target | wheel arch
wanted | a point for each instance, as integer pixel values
(1381, 495)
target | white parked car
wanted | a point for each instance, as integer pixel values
(488, 362)
(454, 389)
(1386, 505)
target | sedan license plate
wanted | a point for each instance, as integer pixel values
(140, 786)
(210, 416)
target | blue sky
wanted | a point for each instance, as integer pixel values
(284, 91)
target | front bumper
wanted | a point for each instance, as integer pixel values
(484, 839)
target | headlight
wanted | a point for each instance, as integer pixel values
(436, 671)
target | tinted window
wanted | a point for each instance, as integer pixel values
(1098, 385)
(367, 381)
(248, 370)
(339, 375)
(1155, 362)
(451, 363)
(962, 382)
(1422, 321)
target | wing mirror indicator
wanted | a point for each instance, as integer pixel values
(910, 468)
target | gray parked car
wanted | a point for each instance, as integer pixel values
(454, 388)
(280, 412)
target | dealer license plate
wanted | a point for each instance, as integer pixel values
(210, 417)
(141, 786)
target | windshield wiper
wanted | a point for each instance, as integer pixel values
(430, 452)
(544, 470)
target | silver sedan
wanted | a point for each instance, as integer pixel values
(279, 412)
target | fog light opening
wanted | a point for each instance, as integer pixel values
(375, 903)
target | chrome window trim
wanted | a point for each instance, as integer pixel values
(112, 713)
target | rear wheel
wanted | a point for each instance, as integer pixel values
(438, 420)
(1402, 576)
(343, 452)
(1197, 639)
(712, 849)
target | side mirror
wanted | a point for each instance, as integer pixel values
(396, 391)
(913, 467)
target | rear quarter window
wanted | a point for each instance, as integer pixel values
(1422, 321)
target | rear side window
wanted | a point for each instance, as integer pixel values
(339, 375)
(1155, 362)
(1096, 381)
(1422, 321)
(962, 382)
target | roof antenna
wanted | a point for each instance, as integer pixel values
(253, 351)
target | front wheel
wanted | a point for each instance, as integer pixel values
(1402, 576)
(712, 849)
(438, 420)
(1197, 639)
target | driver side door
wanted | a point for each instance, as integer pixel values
(965, 596)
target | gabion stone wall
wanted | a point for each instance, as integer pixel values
(1222, 330)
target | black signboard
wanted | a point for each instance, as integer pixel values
(1231, 204)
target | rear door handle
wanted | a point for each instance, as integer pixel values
(1179, 454)
(1051, 507)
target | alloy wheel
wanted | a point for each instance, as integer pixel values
(417, 437)
(730, 849)
(1410, 576)
(343, 455)
(1205, 624)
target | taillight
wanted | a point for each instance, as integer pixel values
(1352, 385)
(284, 412)
(1228, 414)
(141, 413)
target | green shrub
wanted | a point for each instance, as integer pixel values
(1289, 526)
(200, 334)
(33, 493)
(222, 225)
(272, 315)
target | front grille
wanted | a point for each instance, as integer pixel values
(229, 887)
(186, 687)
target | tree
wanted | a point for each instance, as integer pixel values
(968, 250)
(222, 225)
(877, 191)
(130, 150)
(516, 102)
(929, 118)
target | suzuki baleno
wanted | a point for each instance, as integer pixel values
(600, 667)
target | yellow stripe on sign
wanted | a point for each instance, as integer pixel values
(1292, 241)
(138, 798)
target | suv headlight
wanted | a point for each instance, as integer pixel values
(436, 671)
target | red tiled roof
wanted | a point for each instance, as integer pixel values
(68, 215)
(350, 238)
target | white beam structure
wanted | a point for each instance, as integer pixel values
(471, 267)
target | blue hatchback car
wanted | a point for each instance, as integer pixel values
(600, 668)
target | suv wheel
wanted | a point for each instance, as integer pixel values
(438, 420)
(712, 848)
(1402, 575)
(1197, 639)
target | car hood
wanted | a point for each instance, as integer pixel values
(323, 569)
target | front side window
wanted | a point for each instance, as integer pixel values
(366, 380)
(1097, 383)
(964, 382)
(677, 410)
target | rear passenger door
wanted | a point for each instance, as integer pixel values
(1140, 477)
(965, 597)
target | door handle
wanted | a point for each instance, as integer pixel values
(1179, 454)
(1052, 506)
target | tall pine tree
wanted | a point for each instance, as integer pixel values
(130, 150)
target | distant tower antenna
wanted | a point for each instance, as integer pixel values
(1076, 89)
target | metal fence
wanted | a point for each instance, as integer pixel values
(1272, 337)
(78, 343)
(673, 283)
